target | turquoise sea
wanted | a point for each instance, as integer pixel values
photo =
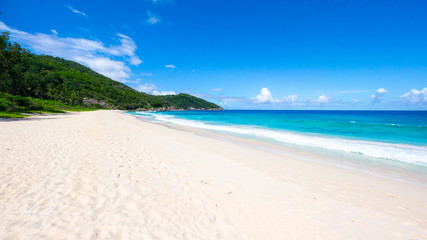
(396, 138)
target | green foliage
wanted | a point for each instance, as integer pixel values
(14, 105)
(186, 101)
(3, 40)
(50, 78)
(4, 104)
(12, 115)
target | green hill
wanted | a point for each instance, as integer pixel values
(45, 77)
(186, 101)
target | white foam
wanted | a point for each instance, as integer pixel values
(401, 152)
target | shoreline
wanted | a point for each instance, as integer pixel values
(410, 173)
(108, 174)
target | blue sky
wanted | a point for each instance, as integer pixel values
(241, 54)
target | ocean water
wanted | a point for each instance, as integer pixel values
(394, 138)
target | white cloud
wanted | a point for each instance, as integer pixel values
(265, 97)
(110, 61)
(151, 89)
(290, 99)
(415, 96)
(127, 48)
(146, 87)
(116, 70)
(152, 18)
(381, 90)
(216, 89)
(163, 92)
(4, 27)
(54, 32)
(379, 96)
(224, 104)
(76, 11)
(170, 66)
(323, 99)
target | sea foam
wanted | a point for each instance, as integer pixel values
(398, 152)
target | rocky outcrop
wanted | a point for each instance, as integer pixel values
(95, 102)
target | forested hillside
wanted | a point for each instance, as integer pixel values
(186, 101)
(45, 77)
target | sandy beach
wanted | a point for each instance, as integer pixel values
(108, 175)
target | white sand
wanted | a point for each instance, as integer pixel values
(107, 175)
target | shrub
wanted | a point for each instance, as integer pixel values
(4, 104)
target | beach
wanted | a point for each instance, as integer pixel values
(108, 175)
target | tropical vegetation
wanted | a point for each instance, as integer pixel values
(30, 82)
